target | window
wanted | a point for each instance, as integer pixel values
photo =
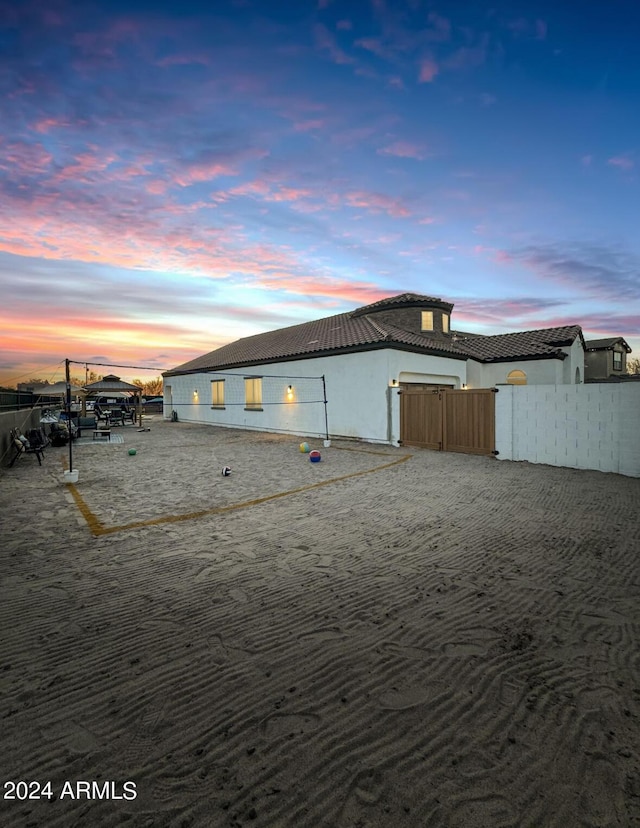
(253, 393)
(427, 320)
(445, 323)
(617, 361)
(516, 378)
(217, 393)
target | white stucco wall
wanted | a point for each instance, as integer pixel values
(539, 372)
(361, 402)
(593, 426)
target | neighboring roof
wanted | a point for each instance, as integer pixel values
(606, 344)
(363, 330)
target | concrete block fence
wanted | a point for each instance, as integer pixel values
(591, 426)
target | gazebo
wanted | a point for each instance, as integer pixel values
(110, 384)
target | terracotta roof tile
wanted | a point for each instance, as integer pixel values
(363, 329)
(546, 342)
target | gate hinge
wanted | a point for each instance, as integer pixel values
(495, 390)
(495, 452)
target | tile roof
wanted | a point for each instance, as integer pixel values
(362, 329)
(604, 344)
(402, 300)
(546, 342)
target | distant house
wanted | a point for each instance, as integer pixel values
(605, 359)
(334, 374)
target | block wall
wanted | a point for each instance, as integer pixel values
(592, 426)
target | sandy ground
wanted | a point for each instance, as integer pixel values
(407, 638)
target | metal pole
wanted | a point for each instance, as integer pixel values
(326, 419)
(68, 378)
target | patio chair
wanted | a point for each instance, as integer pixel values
(22, 446)
(37, 437)
(128, 414)
(100, 414)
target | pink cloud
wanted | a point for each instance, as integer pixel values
(24, 158)
(184, 60)
(290, 194)
(196, 173)
(85, 168)
(623, 162)
(265, 191)
(586, 160)
(258, 187)
(467, 57)
(376, 202)
(541, 29)
(403, 149)
(327, 43)
(228, 164)
(428, 70)
(373, 45)
(157, 187)
(308, 126)
(344, 25)
(45, 125)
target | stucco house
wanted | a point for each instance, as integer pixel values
(336, 376)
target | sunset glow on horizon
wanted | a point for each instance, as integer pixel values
(176, 176)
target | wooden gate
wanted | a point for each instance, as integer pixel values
(448, 420)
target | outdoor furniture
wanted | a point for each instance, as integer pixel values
(23, 446)
(102, 433)
(86, 423)
(128, 415)
(115, 417)
(100, 414)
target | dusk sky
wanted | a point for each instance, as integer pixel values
(177, 175)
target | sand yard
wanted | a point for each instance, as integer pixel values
(389, 637)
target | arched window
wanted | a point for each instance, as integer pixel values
(517, 377)
(578, 376)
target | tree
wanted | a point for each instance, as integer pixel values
(150, 388)
(633, 365)
(154, 387)
(90, 376)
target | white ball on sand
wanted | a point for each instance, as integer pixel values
(226, 471)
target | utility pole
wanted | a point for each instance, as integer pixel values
(68, 406)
